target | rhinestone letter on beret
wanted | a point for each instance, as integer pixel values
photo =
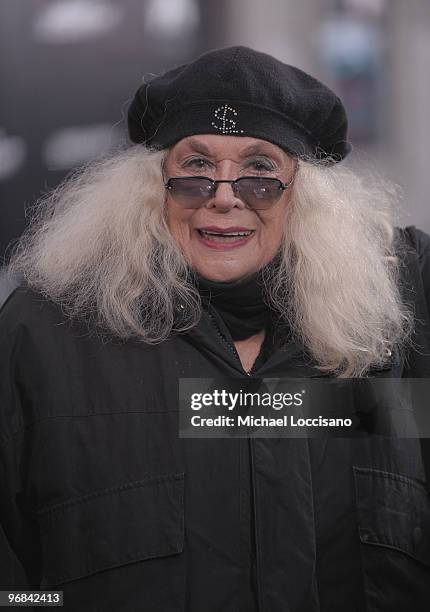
(225, 124)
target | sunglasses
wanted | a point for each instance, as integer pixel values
(258, 192)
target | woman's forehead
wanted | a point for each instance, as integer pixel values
(219, 145)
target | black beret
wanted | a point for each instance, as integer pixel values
(241, 92)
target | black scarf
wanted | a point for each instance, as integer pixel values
(241, 303)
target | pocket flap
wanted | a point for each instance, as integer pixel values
(393, 511)
(111, 527)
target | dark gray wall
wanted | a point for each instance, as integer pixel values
(67, 70)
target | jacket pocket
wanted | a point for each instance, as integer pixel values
(393, 513)
(112, 527)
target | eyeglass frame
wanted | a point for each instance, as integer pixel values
(215, 183)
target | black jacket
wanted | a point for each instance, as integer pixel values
(100, 498)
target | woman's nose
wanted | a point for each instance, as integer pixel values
(224, 198)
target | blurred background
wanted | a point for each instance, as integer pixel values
(68, 69)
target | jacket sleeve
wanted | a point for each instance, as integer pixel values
(13, 542)
(418, 294)
(18, 542)
(425, 269)
(421, 243)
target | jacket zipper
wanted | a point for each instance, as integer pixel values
(232, 348)
(229, 344)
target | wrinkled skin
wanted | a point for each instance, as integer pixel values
(227, 157)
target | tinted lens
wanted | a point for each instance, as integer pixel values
(259, 192)
(191, 192)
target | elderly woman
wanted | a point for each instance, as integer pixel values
(226, 242)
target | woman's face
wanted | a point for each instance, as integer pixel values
(200, 232)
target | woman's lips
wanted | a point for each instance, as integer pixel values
(224, 238)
